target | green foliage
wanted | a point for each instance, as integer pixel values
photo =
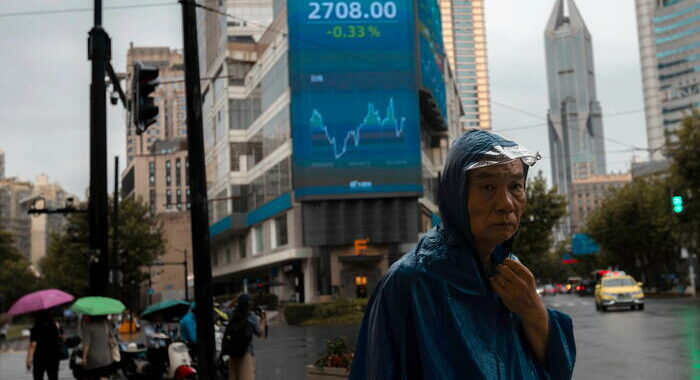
(16, 278)
(683, 147)
(264, 299)
(296, 313)
(337, 354)
(66, 263)
(532, 245)
(635, 225)
(340, 311)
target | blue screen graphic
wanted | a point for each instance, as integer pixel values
(355, 111)
(432, 52)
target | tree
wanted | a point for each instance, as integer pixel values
(16, 277)
(534, 241)
(683, 148)
(636, 229)
(66, 264)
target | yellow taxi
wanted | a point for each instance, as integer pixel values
(618, 289)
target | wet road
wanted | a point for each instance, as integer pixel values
(661, 342)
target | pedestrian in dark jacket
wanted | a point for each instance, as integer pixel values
(44, 352)
(460, 305)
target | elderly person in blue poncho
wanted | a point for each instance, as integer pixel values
(461, 305)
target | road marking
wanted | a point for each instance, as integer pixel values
(570, 304)
(556, 305)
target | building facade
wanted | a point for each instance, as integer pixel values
(267, 231)
(588, 194)
(669, 50)
(169, 97)
(15, 200)
(160, 178)
(52, 196)
(464, 35)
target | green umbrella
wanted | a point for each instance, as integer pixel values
(170, 309)
(98, 306)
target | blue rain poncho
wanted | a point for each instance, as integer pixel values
(434, 315)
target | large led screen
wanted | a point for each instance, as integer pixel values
(355, 111)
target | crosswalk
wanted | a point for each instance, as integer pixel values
(568, 303)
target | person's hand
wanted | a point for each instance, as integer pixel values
(29, 364)
(516, 286)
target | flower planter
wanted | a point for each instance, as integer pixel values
(326, 373)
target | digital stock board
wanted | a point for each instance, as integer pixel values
(355, 105)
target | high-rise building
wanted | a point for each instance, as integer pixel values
(366, 148)
(669, 49)
(574, 116)
(15, 200)
(169, 97)
(52, 196)
(464, 36)
(587, 195)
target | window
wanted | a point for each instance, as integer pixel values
(152, 200)
(243, 112)
(152, 174)
(214, 257)
(168, 198)
(178, 199)
(168, 179)
(227, 251)
(258, 242)
(187, 192)
(242, 247)
(237, 150)
(281, 238)
(178, 174)
(187, 174)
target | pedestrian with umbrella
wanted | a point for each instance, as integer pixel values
(100, 347)
(46, 348)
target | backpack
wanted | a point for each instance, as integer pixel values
(237, 338)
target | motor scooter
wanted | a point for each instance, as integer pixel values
(165, 359)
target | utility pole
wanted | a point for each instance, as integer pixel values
(187, 288)
(116, 262)
(99, 53)
(199, 213)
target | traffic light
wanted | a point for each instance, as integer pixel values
(143, 109)
(677, 202)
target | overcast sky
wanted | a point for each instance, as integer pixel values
(45, 77)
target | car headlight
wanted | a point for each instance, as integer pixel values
(638, 293)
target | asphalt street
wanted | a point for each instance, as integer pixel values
(661, 342)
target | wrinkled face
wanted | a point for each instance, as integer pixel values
(496, 202)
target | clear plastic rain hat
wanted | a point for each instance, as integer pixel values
(499, 154)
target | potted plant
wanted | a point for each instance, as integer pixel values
(334, 363)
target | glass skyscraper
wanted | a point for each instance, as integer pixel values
(464, 36)
(574, 116)
(669, 49)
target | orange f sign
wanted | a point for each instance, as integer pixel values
(360, 245)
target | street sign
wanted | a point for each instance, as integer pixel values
(360, 245)
(568, 259)
(582, 244)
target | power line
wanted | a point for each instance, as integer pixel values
(578, 129)
(80, 10)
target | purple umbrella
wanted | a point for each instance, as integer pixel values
(40, 300)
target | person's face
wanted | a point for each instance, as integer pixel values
(496, 201)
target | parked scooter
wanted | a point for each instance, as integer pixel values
(168, 359)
